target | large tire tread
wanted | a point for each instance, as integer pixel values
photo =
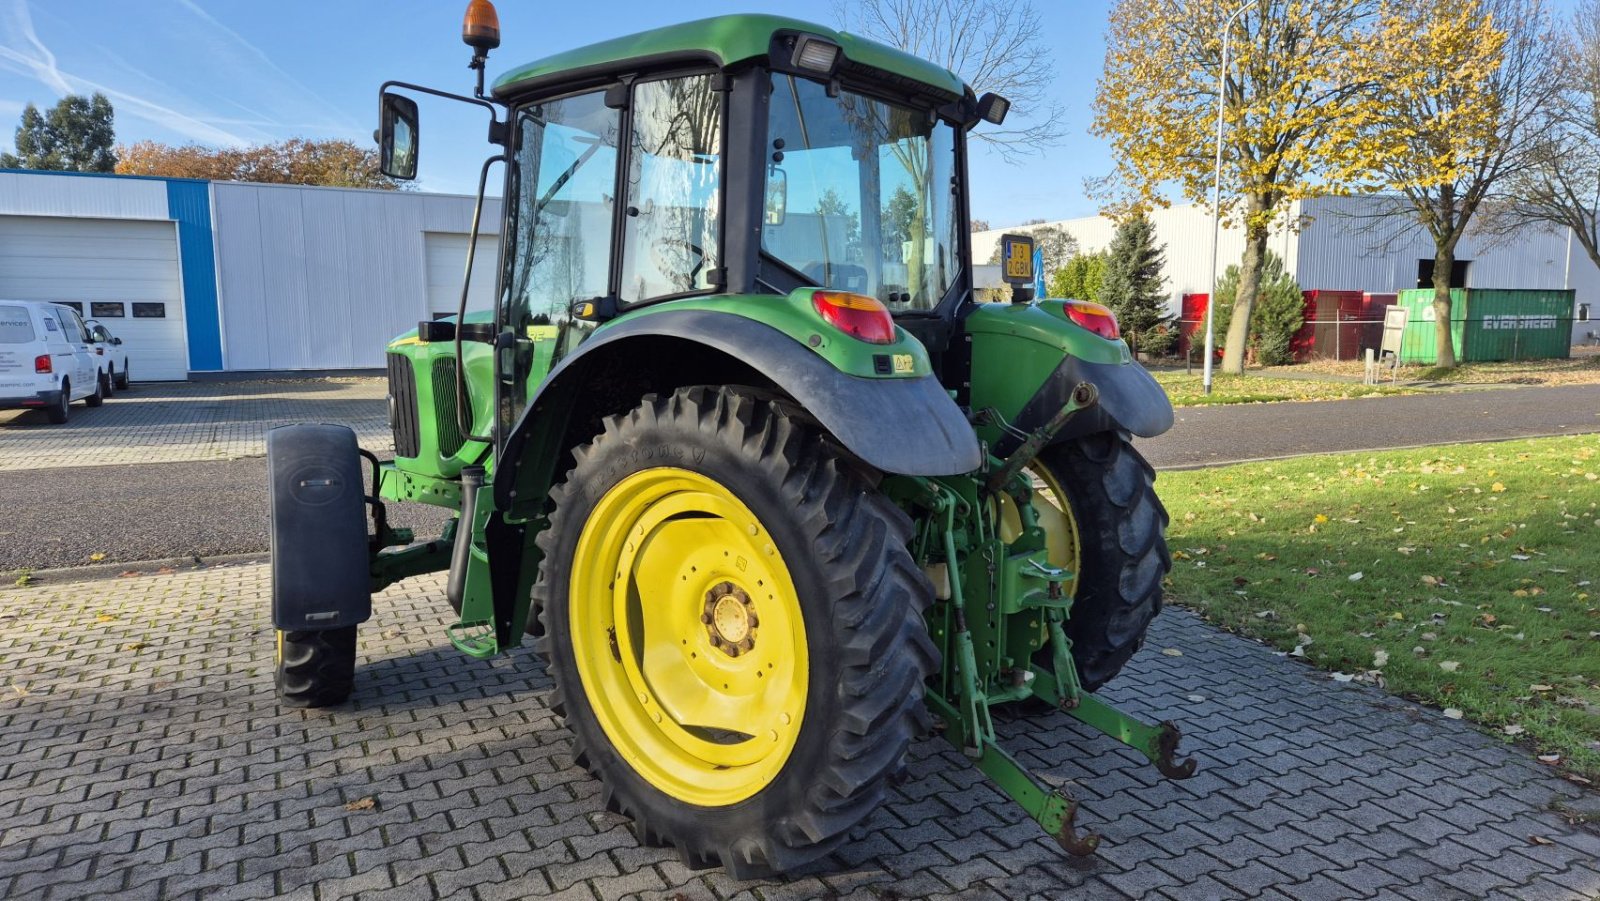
(874, 626)
(1124, 558)
(317, 669)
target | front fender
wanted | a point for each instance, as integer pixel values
(902, 425)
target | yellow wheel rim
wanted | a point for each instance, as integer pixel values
(688, 637)
(1055, 517)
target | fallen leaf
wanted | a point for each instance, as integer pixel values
(1194, 699)
(105, 618)
(1540, 840)
(1430, 580)
(1357, 576)
(1320, 518)
(1449, 666)
(366, 803)
(20, 689)
(1537, 687)
(1512, 730)
(1451, 713)
(97, 556)
(1380, 659)
(1549, 758)
(1497, 487)
(135, 646)
(1172, 652)
(1342, 677)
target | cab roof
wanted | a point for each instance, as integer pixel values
(724, 41)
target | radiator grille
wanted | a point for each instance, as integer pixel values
(444, 403)
(403, 407)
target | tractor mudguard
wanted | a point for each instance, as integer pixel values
(906, 426)
(1131, 400)
(321, 576)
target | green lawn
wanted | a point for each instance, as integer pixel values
(1465, 576)
(1185, 390)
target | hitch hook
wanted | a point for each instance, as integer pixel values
(1166, 747)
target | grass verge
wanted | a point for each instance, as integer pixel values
(1187, 390)
(1582, 369)
(1461, 576)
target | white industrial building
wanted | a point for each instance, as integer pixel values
(200, 276)
(1340, 245)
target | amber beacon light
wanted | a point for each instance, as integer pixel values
(480, 29)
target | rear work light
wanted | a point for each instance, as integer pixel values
(41, 365)
(857, 315)
(1095, 318)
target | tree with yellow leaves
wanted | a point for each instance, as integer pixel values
(1284, 104)
(1460, 89)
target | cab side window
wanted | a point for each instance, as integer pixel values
(673, 218)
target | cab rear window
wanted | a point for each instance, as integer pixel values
(16, 326)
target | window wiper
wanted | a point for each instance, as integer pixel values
(562, 180)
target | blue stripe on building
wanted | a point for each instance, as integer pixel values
(189, 202)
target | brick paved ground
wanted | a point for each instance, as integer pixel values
(142, 753)
(176, 422)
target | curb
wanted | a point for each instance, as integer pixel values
(132, 568)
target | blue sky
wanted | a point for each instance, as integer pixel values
(237, 72)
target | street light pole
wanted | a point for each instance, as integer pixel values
(1216, 196)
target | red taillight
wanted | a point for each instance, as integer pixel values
(1095, 318)
(41, 364)
(857, 315)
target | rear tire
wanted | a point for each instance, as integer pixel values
(61, 411)
(1121, 526)
(830, 582)
(316, 669)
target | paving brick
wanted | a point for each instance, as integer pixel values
(204, 787)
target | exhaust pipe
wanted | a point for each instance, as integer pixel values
(461, 552)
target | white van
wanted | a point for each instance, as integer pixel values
(47, 359)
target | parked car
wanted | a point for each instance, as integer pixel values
(116, 356)
(47, 359)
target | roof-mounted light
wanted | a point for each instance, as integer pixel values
(480, 29)
(992, 108)
(815, 54)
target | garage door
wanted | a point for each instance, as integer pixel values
(447, 260)
(122, 272)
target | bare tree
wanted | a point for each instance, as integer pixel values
(994, 45)
(1560, 186)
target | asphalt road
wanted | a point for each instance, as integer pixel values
(59, 517)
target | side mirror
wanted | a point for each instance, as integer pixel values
(117, 341)
(992, 108)
(397, 137)
(1583, 312)
(777, 196)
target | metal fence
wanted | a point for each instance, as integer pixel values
(1508, 338)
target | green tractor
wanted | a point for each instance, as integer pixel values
(771, 492)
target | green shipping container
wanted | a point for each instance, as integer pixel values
(1491, 324)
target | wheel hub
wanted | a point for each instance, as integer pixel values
(730, 619)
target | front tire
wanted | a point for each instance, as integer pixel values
(315, 669)
(1120, 544)
(734, 627)
(123, 379)
(108, 383)
(99, 395)
(61, 410)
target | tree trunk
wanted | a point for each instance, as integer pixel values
(1444, 263)
(1255, 256)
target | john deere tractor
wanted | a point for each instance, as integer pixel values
(772, 494)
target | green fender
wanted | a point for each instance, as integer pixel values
(1027, 358)
(902, 425)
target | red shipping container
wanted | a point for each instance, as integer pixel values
(1325, 333)
(1192, 328)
